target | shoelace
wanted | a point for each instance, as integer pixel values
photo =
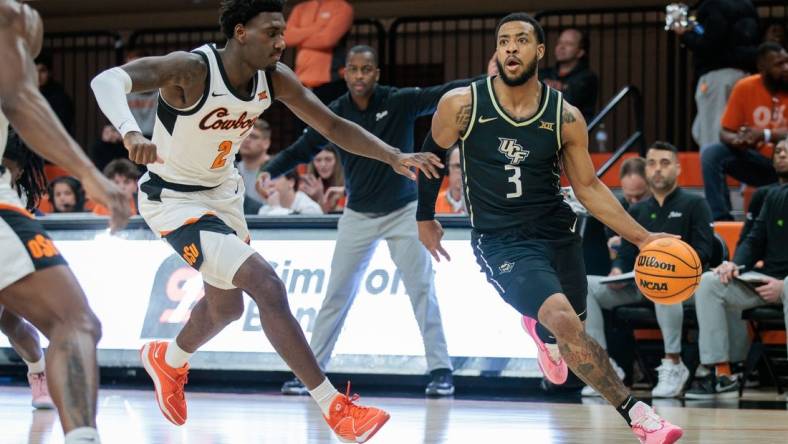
(351, 409)
(554, 353)
(181, 381)
(649, 421)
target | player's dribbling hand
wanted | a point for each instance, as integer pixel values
(654, 236)
(428, 163)
(102, 190)
(141, 150)
(430, 234)
(727, 271)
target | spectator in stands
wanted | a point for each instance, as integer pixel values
(283, 197)
(381, 206)
(125, 175)
(108, 148)
(775, 32)
(316, 28)
(756, 203)
(324, 182)
(727, 288)
(670, 209)
(54, 92)
(143, 105)
(755, 118)
(254, 154)
(451, 200)
(66, 195)
(571, 74)
(634, 188)
(723, 44)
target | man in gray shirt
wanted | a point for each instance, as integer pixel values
(254, 154)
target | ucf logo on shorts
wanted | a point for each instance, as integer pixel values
(512, 150)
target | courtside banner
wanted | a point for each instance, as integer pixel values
(141, 291)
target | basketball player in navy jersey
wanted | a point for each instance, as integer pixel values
(192, 195)
(36, 283)
(512, 131)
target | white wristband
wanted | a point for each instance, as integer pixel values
(110, 88)
(767, 135)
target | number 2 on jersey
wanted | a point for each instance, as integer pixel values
(224, 149)
(516, 180)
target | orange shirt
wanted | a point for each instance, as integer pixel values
(443, 206)
(315, 27)
(752, 105)
(101, 210)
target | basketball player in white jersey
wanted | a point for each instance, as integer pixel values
(35, 282)
(192, 195)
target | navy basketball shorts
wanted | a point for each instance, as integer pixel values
(526, 272)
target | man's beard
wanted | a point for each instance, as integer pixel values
(529, 72)
(777, 85)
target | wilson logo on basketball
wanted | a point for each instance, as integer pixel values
(651, 262)
(215, 121)
(655, 286)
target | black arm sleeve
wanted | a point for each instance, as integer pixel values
(702, 233)
(429, 188)
(753, 247)
(301, 151)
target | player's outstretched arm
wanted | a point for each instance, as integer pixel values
(591, 192)
(448, 123)
(344, 133)
(179, 75)
(33, 119)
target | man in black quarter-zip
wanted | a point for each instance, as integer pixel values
(673, 210)
(380, 206)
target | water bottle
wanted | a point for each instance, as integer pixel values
(601, 139)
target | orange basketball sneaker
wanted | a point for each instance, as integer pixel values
(354, 423)
(168, 382)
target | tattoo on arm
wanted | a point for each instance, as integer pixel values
(464, 117)
(568, 117)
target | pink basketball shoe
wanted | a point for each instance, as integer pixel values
(553, 368)
(650, 428)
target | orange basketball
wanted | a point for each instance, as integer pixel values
(667, 271)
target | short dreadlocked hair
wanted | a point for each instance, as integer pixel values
(234, 12)
(32, 182)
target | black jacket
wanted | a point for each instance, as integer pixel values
(730, 36)
(768, 238)
(682, 213)
(61, 103)
(579, 87)
(372, 186)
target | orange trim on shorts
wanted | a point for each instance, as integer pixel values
(16, 209)
(189, 221)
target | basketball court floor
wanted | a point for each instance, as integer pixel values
(131, 416)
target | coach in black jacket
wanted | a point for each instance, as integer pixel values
(381, 206)
(670, 210)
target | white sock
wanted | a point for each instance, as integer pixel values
(36, 367)
(323, 394)
(553, 351)
(175, 357)
(83, 435)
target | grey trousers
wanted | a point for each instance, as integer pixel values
(669, 317)
(357, 237)
(712, 300)
(711, 97)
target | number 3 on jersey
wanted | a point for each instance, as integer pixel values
(221, 159)
(516, 180)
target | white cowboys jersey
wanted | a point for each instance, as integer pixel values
(199, 144)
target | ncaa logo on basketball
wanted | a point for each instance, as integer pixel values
(652, 262)
(511, 149)
(655, 286)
